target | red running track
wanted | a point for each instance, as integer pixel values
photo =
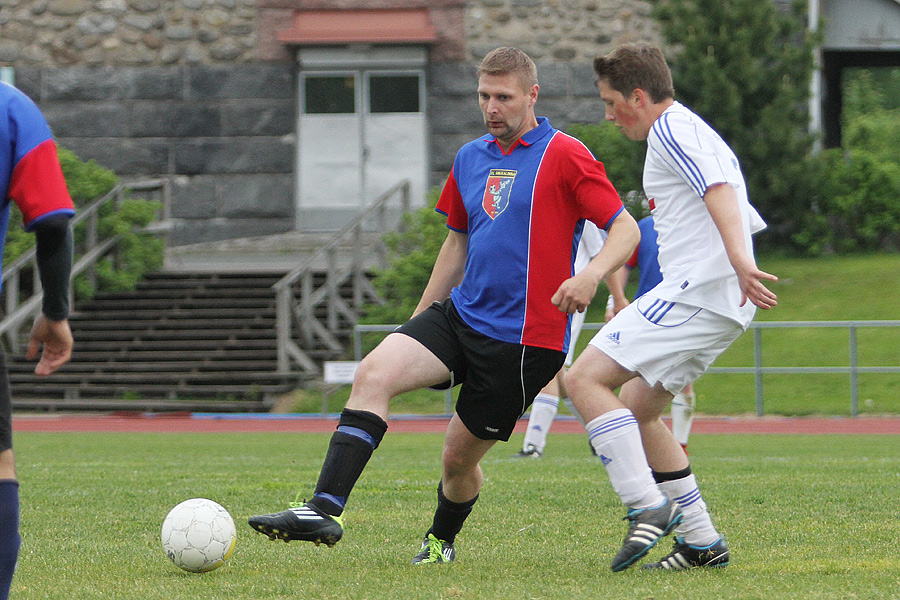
(223, 423)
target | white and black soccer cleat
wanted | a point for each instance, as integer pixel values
(303, 522)
(646, 527)
(685, 556)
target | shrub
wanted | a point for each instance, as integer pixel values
(136, 254)
(411, 256)
(854, 203)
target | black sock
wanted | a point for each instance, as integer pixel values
(660, 477)
(9, 532)
(358, 434)
(449, 516)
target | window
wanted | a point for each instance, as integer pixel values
(394, 94)
(330, 94)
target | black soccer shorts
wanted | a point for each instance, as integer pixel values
(499, 379)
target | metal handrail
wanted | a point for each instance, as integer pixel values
(17, 310)
(298, 309)
(758, 370)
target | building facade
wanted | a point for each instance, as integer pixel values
(280, 115)
(274, 116)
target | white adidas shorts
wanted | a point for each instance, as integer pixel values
(666, 342)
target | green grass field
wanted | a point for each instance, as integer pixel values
(805, 517)
(823, 289)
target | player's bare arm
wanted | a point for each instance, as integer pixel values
(448, 270)
(721, 201)
(575, 294)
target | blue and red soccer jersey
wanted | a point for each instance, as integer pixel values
(523, 211)
(30, 174)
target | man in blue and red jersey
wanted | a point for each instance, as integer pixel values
(30, 175)
(494, 316)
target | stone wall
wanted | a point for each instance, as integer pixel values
(566, 31)
(201, 90)
(127, 32)
(226, 134)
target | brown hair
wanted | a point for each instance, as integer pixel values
(636, 66)
(510, 61)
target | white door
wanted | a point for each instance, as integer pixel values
(360, 132)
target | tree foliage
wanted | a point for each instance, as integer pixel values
(745, 66)
(854, 191)
(411, 256)
(622, 158)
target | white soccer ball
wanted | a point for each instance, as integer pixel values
(198, 535)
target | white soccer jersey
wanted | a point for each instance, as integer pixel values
(592, 238)
(685, 156)
(591, 243)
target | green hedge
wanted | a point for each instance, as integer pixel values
(136, 254)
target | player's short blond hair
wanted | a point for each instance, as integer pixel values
(636, 66)
(510, 61)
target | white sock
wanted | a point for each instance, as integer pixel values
(683, 416)
(571, 406)
(617, 440)
(543, 411)
(697, 528)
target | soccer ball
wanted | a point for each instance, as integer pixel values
(198, 535)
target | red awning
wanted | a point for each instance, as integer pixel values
(318, 27)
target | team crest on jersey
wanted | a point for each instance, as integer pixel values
(496, 192)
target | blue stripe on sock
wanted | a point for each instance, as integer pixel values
(689, 498)
(542, 400)
(336, 500)
(617, 423)
(357, 432)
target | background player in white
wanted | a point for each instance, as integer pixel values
(546, 403)
(669, 337)
(646, 259)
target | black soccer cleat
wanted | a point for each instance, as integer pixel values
(434, 551)
(685, 556)
(529, 451)
(646, 527)
(303, 522)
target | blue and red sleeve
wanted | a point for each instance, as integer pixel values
(36, 185)
(451, 204)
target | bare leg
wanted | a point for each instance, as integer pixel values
(7, 465)
(398, 364)
(590, 383)
(461, 472)
(664, 453)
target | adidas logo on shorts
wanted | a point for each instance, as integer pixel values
(613, 337)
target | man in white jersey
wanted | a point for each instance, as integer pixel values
(667, 338)
(546, 403)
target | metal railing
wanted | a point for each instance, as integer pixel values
(853, 369)
(18, 308)
(298, 298)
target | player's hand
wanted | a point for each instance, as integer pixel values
(752, 287)
(56, 338)
(575, 294)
